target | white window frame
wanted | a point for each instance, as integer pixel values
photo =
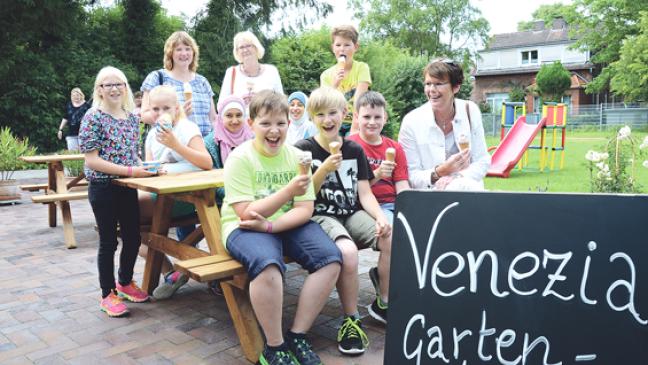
(529, 53)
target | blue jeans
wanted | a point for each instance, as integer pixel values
(308, 245)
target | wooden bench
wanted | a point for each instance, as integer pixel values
(38, 187)
(208, 268)
(57, 197)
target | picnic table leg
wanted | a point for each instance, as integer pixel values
(61, 188)
(245, 322)
(68, 228)
(154, 258)
(51, 186)
(238, 301)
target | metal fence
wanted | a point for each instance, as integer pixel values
(594, 117)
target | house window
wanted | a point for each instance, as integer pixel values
(566, 99)
(530, 57)
(495, 101)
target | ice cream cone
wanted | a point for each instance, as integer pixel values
(187, 91)
(341, 61)
(334, 147)
(305, 160)
(464, 142)
(390, 154)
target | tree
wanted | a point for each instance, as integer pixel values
(548, 13)
(425, 27)
(631, 70)
(601, 29)
(552, 81)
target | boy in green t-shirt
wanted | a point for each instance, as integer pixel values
(351, 77)
(266, 215)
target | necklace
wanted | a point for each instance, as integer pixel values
(444, 125)
(250, 74)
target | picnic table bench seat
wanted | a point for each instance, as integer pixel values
(38, 187)
(57, 197)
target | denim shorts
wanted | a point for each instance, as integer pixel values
(308, 245)
(388, 211)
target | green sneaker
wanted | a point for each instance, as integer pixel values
(351, 338)
(302, 350)
(279, 357)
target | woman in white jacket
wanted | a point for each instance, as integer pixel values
(444, 138)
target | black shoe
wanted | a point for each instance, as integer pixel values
(375, 280)
(302, 350)
(351, 338)
(278, 357)
(378, 310)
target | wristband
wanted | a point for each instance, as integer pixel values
(269, 227)
(130, 170)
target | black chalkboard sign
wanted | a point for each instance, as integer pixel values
(501, 278)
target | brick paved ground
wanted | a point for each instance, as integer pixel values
(49, 301)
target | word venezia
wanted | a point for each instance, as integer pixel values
(514, 276)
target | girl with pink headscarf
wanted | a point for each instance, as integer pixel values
(230, 130)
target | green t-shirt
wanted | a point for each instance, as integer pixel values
(250, 176)
(359, 73)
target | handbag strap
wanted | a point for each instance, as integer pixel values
(468, 114)
(233, 78)
(160, 77)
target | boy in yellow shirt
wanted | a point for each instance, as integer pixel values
(349, 76)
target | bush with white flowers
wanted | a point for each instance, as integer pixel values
(613, 170)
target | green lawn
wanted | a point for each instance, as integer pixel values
(574, 177)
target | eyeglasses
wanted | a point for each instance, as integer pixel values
(120, 85)
(436, 85)
(244, 46)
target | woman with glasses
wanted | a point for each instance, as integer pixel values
(444, 139)
(249, 76)
(193, 90)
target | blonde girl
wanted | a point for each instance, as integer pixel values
(109, 136)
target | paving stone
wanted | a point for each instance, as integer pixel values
(43, 321)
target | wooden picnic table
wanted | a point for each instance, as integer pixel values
(197, 188)
(57, 189)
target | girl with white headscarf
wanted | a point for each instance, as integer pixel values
(300, 127)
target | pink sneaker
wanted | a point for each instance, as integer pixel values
(113, 306)
(132, 292)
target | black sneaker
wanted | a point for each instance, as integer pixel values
(352, 340)
(375, 280)
(278, 357)
(302, 350)
(378, 310)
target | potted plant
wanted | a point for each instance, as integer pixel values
(11, 148)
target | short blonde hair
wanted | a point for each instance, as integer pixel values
(324, 98)
(249, 37)
(167, 90)
(127, 98)
(172, 42)
(345, 31)
(77, 90)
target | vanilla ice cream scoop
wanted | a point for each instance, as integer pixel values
(341, 61)
(187, 91)
(305, 160)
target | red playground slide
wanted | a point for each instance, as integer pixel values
(512, 147)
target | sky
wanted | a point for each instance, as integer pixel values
(492, 10)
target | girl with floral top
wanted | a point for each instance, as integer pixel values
(109, 136)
